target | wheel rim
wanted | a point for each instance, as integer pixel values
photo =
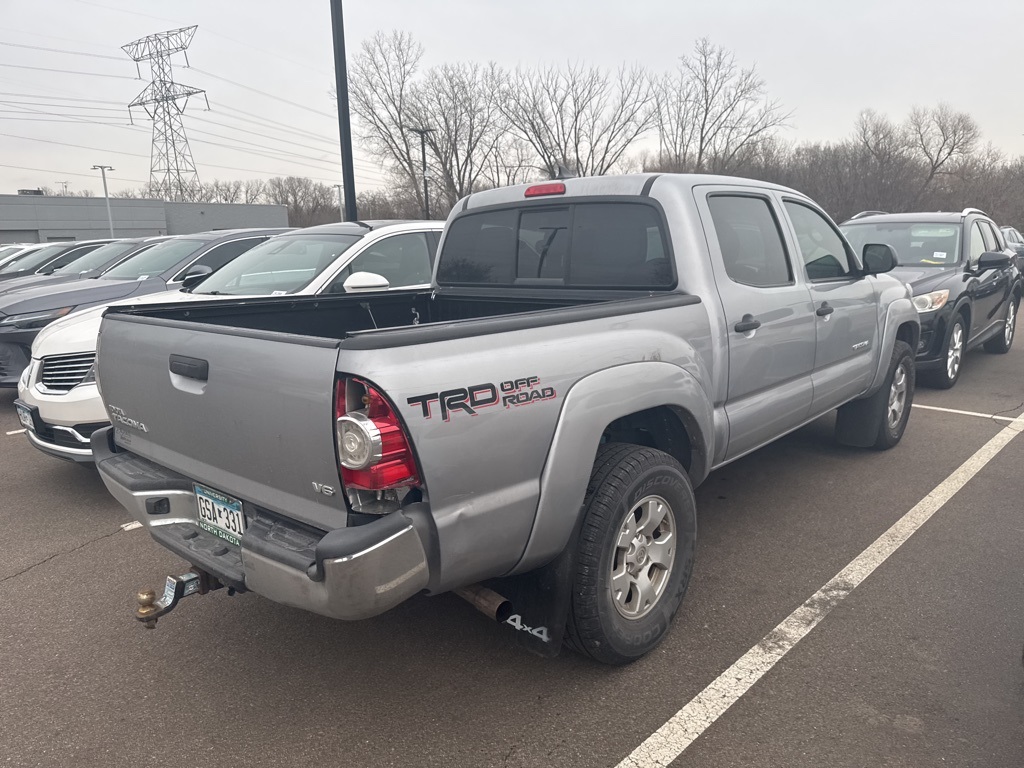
(1011, 321)
(643, 557)
(897, 396)
(956, 351)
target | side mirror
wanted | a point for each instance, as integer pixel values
(195, 276)
(878, 258)
(364, 282)
(993, 260)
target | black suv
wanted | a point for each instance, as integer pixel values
(964, 277)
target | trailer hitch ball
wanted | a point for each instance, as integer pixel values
(146, 609)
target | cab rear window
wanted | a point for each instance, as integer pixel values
(578, 245)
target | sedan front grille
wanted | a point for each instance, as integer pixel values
(61, 373)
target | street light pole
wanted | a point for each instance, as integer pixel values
(348, 176)
(423, 158)
(103, 170)
(341, 200)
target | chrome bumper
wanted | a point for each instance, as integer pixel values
(356, 573)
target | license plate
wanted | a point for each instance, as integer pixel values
(219, 514)
(24, 416)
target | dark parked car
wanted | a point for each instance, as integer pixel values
(49, 257)
(90, 265)
(966, 285)
(171, 264)
(1014, 239)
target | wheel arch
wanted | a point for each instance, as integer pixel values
(660, 403)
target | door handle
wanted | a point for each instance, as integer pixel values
(746, 324)
(190, 367)
(824, 310)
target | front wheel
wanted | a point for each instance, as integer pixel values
(879, 421)
(956, 343)
(634, 555)
(1000, 344)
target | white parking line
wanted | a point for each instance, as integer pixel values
(964, 413)
(16, 432)
(683, 728)
(131, 526)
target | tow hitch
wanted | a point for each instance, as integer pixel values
(175, 588)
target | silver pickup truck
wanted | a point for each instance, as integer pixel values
(527, 432)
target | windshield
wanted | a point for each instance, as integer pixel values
(33, 259)
(7, 250)
(155, 260)
(96, 259)
(280, 265)
(916, 244)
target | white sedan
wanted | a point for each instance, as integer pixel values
(58, 401)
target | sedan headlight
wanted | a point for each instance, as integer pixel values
(29, 320)
(929, 302)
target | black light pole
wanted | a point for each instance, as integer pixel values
(348, 177)
(423, 155)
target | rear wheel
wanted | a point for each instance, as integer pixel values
(956, 342)
(634, 555)
(1001, 344)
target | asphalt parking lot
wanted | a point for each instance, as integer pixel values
(918, 665)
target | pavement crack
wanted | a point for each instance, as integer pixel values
(48, 558)
(1008, 410)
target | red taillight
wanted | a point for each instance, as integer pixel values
(371, 440)
(539, 190)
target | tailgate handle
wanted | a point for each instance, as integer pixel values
(190, 367)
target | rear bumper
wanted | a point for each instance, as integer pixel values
(348, 573)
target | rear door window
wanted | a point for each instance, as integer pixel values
(580, 245)
(750, 241)
(403, 260)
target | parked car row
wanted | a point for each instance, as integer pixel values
(524, 422)
(59, 402)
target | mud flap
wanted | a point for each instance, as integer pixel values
(540, 601)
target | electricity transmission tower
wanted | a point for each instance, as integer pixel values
(172, 172)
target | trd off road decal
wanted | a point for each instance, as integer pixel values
(471, 399)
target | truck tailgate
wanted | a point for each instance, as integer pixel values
(195, 398)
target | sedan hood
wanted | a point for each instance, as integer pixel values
(925, 279)
(34, 281)
(79, 331)
(80, 293)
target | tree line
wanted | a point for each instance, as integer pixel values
(484, 126)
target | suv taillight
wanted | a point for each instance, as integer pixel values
(373, 450)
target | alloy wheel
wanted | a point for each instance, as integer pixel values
(643, 558)
(955, 352)
(897, 396)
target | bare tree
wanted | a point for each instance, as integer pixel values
(253, 190)
(457, 103)
(711, 111)
(581, 117)
(941, 135)
(309, 203)
(382, 95)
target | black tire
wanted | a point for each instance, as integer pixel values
(866, 423)
(1000, 344)
(623, 475)
(940, 378)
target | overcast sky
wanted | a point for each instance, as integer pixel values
(822, 60)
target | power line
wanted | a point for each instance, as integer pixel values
(66, 173)
(76, 146)
(76, 106)
(65, 98)
(61, 50)
(67, 71)
(261, 93)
